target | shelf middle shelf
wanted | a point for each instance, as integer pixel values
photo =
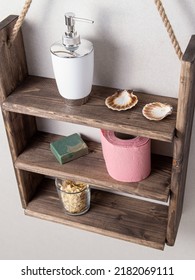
(91, 168)
(39, 96)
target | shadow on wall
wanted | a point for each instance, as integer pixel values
(39, 33)
(110, 54)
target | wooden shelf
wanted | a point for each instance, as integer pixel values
(24, 97)
(91, 168)
(112, 215)
(39, 97)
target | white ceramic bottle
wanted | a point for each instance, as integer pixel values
(73, 63)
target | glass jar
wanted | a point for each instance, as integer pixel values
(75, 196)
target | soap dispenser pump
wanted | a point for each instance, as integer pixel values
(73, 63)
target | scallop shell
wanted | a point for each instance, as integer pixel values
(157, 111)
(121, 100)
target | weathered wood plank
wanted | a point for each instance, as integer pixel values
(39, 97)
(186, 103)
(112, 215)
(91, 168)
(27, 185)
(20, 129)
(189, 55)
(13, 68)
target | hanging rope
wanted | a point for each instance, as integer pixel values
(20, 21)
(159, 6)
(169, 28)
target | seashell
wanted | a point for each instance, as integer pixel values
(121, 100)
(157, 111)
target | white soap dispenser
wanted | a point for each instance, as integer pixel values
(73, 63)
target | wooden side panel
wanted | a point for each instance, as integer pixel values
(185, 113)
(20, 129)
(27, 185)
(13, 68)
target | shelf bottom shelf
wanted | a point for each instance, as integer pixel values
(113, 215)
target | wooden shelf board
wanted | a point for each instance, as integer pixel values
(91, 168)
(110, 214)
(39, 96)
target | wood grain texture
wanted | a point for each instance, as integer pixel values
(27, 185)
(112, 215)
(13, 68)
(91, 168)
(39, 97)
(189, 55)
(186, 103)
(20, 129)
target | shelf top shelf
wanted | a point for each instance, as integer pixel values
(39, 97)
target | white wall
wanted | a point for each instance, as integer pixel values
(132, 50)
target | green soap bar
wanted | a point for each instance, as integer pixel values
(68, 148)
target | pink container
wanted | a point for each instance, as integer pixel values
(127, 160)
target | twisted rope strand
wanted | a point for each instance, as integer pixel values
(19, 22)
(169, 28)
(159, 6)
